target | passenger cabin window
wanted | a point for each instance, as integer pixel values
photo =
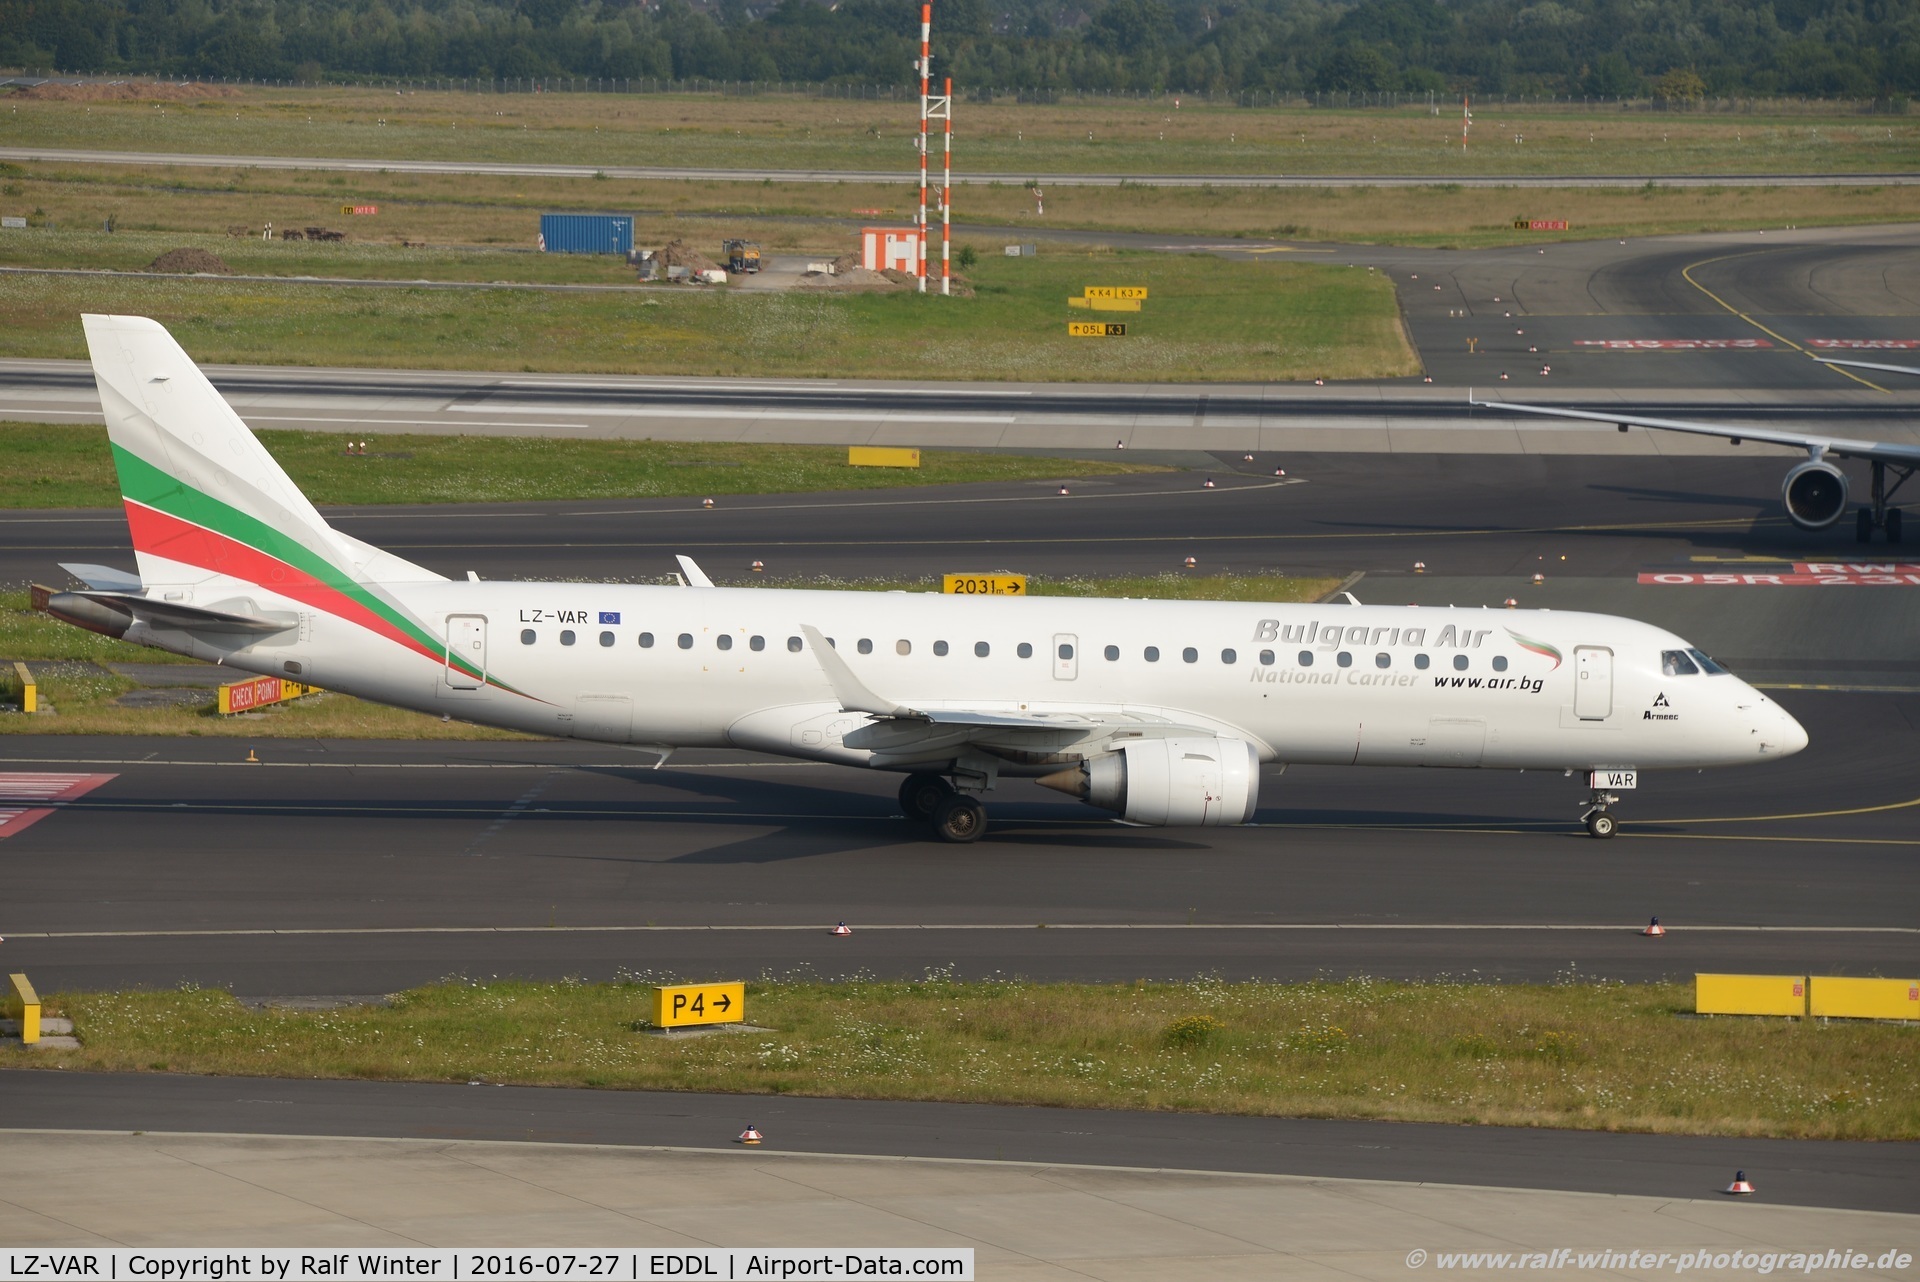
(566, 636)
(1190, 655)
(793, 645)
(1266, 658)
(1066, 650)
(723, 641)
(1113, 653)
(1228, 656)
(1383, 660)
(1421, 661)
(757, 644)
(1459, 663)
(1024, 650)
(646, 640)
(903, 647)
(981, 650)
(1499, 663)
(1306, 658)
(1677, 663)
(528, 636)
(1344, 659)
(1151, 654)
(686, 641)
(940, 649)
(606, 639)
(865, 646)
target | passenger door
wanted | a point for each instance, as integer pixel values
(1592, 682)
(1066, 656)
(467, 642)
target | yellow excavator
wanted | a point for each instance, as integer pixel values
(741, 255)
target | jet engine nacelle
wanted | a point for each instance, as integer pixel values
(1815, 494)
(1186, 782)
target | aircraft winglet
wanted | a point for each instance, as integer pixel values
(696, 577)
(852, 693)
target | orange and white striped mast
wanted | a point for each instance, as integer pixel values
(926, 69)
(946, 188)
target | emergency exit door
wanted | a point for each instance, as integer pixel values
(466, 651)
(1592, 682)
(1066, 656)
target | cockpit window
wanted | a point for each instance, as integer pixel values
(1675, 663)
(1707, 663)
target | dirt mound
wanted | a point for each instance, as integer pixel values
(188, 261)
(677, 253)
(846, 263)
(130, 91)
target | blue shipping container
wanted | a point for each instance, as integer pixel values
(586, 233)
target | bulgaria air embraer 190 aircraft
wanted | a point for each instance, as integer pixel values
(1159, 711)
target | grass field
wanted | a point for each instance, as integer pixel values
(69, 665)
(1101, 136)
(461, 218)
(1207, 319)
(1584, 1056)
(54, 466)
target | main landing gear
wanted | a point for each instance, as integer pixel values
(1599, 823)
(953, 816)
(1879, 514)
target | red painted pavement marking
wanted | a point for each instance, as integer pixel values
(1675, 344)
(1866, 344)
(1908, 577)
(28, 786)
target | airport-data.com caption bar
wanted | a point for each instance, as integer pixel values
(737, 1264)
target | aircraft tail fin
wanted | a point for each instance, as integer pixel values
(204, 499)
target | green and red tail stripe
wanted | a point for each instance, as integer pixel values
(170, 519)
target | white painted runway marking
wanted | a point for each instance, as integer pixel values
(19, 790)
(1025, 927)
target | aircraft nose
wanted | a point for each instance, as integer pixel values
(1792, 735)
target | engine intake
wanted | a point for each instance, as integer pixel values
(1815, 494)
(1204, 782)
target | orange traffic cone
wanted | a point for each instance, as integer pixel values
(1654, 928)
(842, 930)
(750, 1136)
(1739, 1187)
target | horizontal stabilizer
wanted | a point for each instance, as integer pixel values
(174, 614)
(103, 578)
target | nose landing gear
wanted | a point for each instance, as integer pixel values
(1599, 823)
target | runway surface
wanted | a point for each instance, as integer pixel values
(1868, 1177)
(673, 173)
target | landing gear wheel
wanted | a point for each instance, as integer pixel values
(921, 795)
(959, 819)
(1863, 527)
(1600, 824)
(1893, 525)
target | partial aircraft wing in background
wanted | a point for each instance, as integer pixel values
(1814, 493)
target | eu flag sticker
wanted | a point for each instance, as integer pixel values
(609, 616)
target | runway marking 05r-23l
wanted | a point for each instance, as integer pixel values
(1804, 574)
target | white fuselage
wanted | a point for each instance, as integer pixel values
(1333, 684)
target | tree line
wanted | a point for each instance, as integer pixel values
(1600, 48)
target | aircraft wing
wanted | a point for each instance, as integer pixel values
(903, 734)
(1813, 442)
(1884, 369)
